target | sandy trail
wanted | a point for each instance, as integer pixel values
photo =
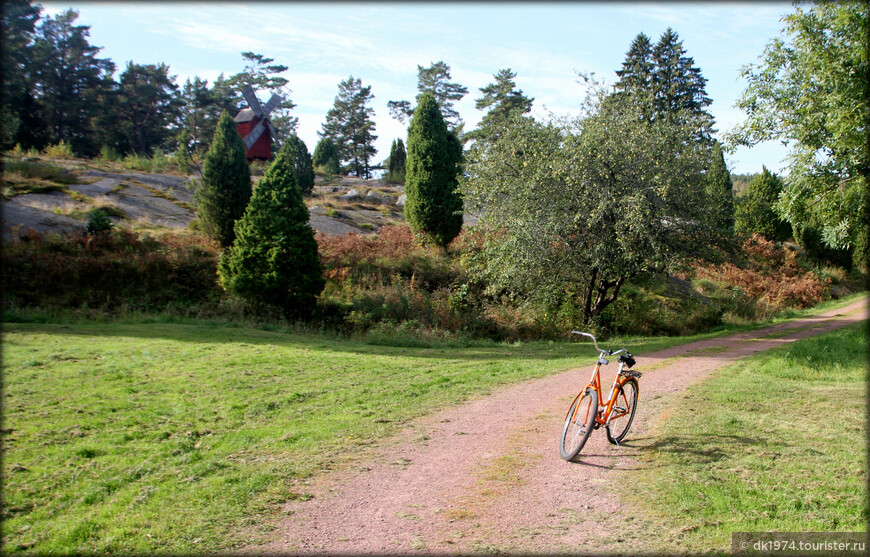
(486, 474)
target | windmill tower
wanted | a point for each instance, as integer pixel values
(254, 125)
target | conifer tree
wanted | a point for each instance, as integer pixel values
(226, 183)
(503, 99)
(433, 207)
(274, 259)
(349, 124)
(434, 80)
(755, 212)
(396, 162)
(302, 162)
(720, 191)
(325, 156)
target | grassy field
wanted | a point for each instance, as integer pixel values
(187, 437)
(180, 437)
(774, 443)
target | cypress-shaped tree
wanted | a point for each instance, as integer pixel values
(274, 259)
(720, 192)
(326, 156)
(396, 162)
(302, 163)
(755, 212)
(433, 207)
(226, 183)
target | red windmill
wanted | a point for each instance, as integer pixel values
(254, 125)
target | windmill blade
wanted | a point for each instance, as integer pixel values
(255, 134)
(274, 101)
(274, 133)
(253, 101)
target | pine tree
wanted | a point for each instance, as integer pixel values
(755, 211)
(396, 163)
(325, 156)
(349, 124)
(433, 207)
(226, 183)
(720, 191)
(274, 259)
(434, 80)
(302, 162)
(503, 99)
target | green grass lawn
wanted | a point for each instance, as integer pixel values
(774, 443)
(187, 437)
(181, 437)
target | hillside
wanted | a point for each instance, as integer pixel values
(50, 195)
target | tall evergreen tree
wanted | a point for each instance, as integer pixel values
(665, 83)
(720, 192)
(274, 259)
(69, 81)
(302, 163)
(679, 89)
(755, 210)
(435, 80)
(636, 75)
(18, 25)
(226, 183)
(326, 156)
(433, 207)
(349, 124)
(503, 99)
(396, 162)
(148, 106)
(196, 103)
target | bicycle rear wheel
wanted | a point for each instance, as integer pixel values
(623, 411)
(579, 423)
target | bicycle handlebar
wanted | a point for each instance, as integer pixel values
(607, 352)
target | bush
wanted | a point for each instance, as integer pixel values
(113, 270)
(62, 150)
(98, 221)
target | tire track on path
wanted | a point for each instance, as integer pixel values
(486, 474)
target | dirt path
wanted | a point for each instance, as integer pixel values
(486, 475)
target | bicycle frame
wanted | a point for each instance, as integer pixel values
(605, 407)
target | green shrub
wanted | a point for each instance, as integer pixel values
(62, 150)
(98, 221)
(274, 258)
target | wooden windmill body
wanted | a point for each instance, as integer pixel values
(254, 126)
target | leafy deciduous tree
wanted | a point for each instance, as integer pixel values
(570, 212)
(812, 91)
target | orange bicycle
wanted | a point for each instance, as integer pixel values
(590, 411)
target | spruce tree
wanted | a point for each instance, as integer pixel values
(755, 212)
(274, 259)
(720, 192)
(302, 162)
(349, 124)
(325, 156)
(226, 183)
(433, 207)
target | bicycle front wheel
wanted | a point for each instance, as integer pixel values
(623, 411)
(579, 423)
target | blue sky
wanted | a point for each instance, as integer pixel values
(382, 43)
